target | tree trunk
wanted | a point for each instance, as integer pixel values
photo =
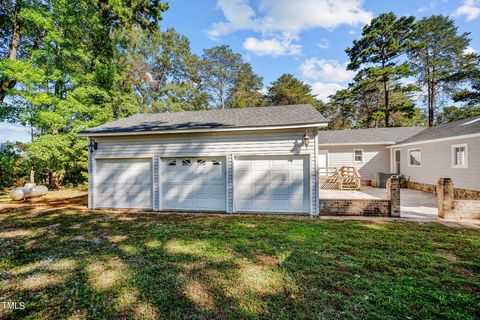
(431, 110)
(387, 102)
(6, 84)
(32, 175)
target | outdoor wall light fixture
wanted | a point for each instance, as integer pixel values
(92, 145)
(305, 139)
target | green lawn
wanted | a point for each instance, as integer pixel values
(68, 263)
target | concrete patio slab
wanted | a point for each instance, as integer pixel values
(413, 204)
(418, 204)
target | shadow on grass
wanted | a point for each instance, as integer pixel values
(69, 263)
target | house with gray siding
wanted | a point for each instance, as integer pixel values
(364, 149)
(450, 150)
(420, 155)
(234, 160)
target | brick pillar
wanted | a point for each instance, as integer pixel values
(393, 194)
(445, 196)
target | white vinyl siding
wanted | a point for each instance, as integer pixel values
(460, 156)
(226, 145)
(415, 157)
(437, 163)
(376, 158)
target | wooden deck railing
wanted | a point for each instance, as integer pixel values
(343, 178)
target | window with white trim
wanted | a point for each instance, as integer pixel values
(415, 156)
(186, 162)
(172, 163)
(358, 155)
(459, 156)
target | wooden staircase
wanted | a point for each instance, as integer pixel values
(344, 178)
(348, 178)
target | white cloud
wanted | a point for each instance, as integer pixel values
(326, 70)
(238, 15)
(323, 90)
(285, 19)
(272, 47)
(470, 8)
(430, 6)
(324, 44)
(300, 15)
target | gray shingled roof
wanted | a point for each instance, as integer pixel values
(214, 119)
(371, 136)
(452, 129)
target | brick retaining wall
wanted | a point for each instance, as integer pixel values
(354, 207)
(461, 194)
(451, 208)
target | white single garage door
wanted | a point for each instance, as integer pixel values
(272, 184)
(123, 183)
(193, 184)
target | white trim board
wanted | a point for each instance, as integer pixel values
(154, 132)
(356, 143)
(466, 136)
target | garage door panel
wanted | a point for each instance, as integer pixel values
(243, 176)
(193, 183)
(297, 204)
(216, 175)
(262, 205)
(246, 205)
(261, 191)
(216, 189)
(272, 184)
(279, 204)
(280, 191)
(123, 183)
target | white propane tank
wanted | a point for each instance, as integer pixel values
(30, 190)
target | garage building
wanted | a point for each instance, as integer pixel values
(232, 160)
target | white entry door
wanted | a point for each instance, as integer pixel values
(323, 163)
(123, 183)
(193, 184)
(397, 161)
(272, 184)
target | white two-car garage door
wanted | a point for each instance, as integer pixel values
(272, 184)
(123, 183)
(193, 184)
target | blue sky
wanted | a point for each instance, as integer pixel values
(305, 37)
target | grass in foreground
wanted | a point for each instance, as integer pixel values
(69, 263)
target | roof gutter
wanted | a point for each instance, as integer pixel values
(465, 136)
(356, 143)
(135, 133)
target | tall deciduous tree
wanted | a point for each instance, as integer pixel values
(383, 41)
(435, 56)
(218, 69)
(289, 90)
(60, 72)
